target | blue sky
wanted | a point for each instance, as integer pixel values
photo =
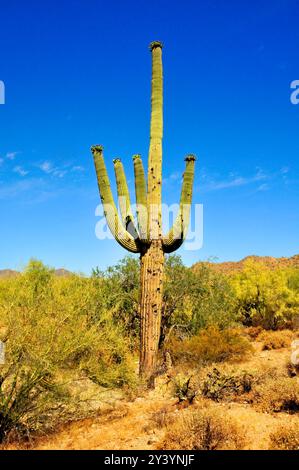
(77, 73)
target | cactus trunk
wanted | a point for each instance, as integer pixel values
(151, 279)
(146, 237)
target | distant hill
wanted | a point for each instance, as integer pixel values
(235, 266)
(62, 272)
(6, 273)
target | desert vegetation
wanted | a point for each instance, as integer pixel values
(72, 346)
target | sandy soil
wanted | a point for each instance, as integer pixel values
(130, 424)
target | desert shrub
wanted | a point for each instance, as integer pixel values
(49, 325)
(120, 292)
(265, 297)
(253, 331)
(184, 388)
(285, 437)
(277, 395)
(210, 345)
(219, 385)
(195, 298)
(203, 429)
(163, 417)
(192, 299)
(276, 339)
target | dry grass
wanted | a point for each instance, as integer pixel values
(211, 345)
(286, 437)
(253, 331)
(203, 429)
(275, 395)
(163, 417)
(276, 339)
(267, 414)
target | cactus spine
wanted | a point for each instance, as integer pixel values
(147, 238)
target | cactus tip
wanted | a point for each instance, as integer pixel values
(116, 160)
(155, 44)
(97, 148)
(137, 155)
(190, 158)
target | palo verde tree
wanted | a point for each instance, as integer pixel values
(146, 236)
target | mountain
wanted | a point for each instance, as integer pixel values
(235, 266)
(62, 272)
(6, 273)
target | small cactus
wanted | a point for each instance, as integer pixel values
(146, 236)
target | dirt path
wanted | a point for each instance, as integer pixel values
(129, 426)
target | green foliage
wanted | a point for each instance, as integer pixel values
(265, 297)
(184, 388)
(119, 292)
(191, 299)
(219, 385)
(195, 299)
(49, 325)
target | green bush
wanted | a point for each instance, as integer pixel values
(184, 388)
(210, 345)
(219, 385)
(49, 325)
(266, 297)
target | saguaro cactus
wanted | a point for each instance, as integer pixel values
(147, 238)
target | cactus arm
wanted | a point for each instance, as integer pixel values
(155, 150)
(124, 199)
(141, 197)
(124, 238)
(177, 234)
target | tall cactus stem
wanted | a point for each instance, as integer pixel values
(124, 201)
(141, 197)
(177, 234)
(155, 151)
(150, 242)
(115, 225)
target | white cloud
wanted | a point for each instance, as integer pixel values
(20, 171)
(233, 181)
(78, 168)
(11, 155)
(284, 170)
(16, 188)
(46, 167)
(263, 187)
(59, 173)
